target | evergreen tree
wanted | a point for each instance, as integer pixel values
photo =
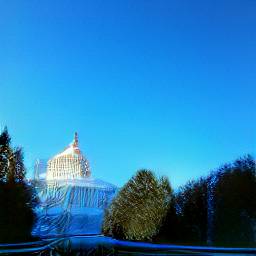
(17, 198)
(192, 208)
(5, 153)
(235, 203)
(170, 230)
(12, 168)
(139, 208)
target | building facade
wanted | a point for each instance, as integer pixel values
(69, 164)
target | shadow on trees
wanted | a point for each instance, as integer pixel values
(17, 198)
(217, 210)
(235, 203)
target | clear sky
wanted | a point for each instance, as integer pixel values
(165, 85)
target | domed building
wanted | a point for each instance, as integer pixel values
(69, 164)
(72, 202)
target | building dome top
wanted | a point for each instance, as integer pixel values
(68, 164)
(71, 149)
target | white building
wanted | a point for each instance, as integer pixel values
(71, 202)
(69, 164)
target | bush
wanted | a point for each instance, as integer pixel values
(139, 208)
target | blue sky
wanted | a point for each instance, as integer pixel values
(164, 85)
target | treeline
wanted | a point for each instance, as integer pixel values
(219, 209)
(17, 198)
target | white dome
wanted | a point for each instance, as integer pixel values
(69, 164)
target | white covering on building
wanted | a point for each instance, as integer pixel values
(69, 164)
(71, 201)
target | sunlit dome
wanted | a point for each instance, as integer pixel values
(70, 200)
(69, 164)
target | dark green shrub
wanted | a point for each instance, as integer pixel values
(139, 208)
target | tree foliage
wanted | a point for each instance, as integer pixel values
(5, 154)
(235, 203)
(170, 228)
(191, 205)
(11, 160)
(138, 210)
(220, 209)
(17, 198)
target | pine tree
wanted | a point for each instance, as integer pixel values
(139, 209)
(5, 153)
(17, 198)
(235, 203)
(12, 168)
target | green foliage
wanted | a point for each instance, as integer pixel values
(139, 208)
(235, 203)
(16, 214)
(192, 207)
(17, 198)
(5, 154)
(220, 208)
(11, 160)
(170, 228)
